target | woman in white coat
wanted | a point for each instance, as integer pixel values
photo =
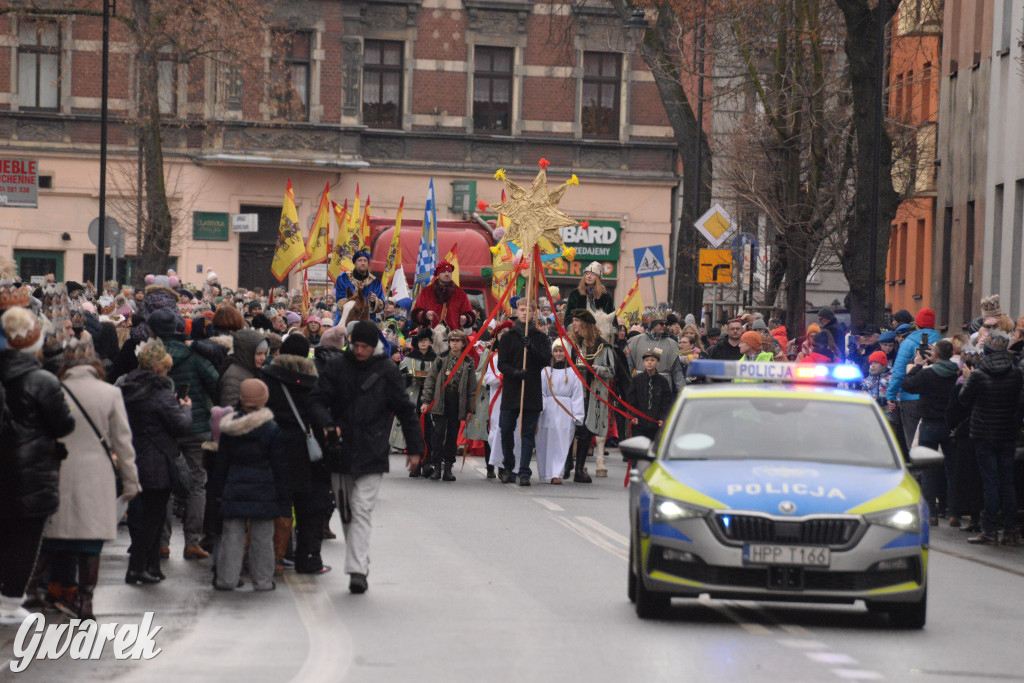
(87, 515)
(493, 380)
(563, 412)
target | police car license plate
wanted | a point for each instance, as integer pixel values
(793, 555)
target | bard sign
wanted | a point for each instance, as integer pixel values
(19, 183)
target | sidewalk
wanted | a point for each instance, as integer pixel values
(954, 542)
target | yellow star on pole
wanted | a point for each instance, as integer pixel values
(533, 213)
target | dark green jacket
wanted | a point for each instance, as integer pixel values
(201, 377)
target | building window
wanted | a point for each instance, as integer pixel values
(492, 89)
(382, 83)
(600, 107)
(39, 65)
(230, 88)
(167, 81)
(289, 75)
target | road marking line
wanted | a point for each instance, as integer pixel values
(554, 507)
(830, 657)
(330, 644)
(610, 533)
(748, 626)
(593, 538)
(794, 630)
(802, 644)
(857, 674)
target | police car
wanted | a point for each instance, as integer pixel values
(778, 486)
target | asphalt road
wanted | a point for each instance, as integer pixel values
(477, 581)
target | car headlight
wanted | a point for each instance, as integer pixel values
(902, 519)
(667, 510)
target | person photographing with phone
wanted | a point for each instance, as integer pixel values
(899, 399)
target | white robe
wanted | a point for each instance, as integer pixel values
(556, 428)
(493, 380)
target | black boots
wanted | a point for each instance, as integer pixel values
(447, 476)
(490, 472)
(427, 471)
(436, 473)
(88, 577)
(581, 476)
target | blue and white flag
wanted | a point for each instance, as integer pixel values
(426, 260)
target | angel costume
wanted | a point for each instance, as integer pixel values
(563, 411)
(493, 380)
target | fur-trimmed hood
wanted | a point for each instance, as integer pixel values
(297, 364)
(224, 340)
(238, 423)
(160, 288)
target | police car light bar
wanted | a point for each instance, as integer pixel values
(817, 373)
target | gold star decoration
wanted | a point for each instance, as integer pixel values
(533, 213)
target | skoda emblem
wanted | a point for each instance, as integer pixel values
(787, 507)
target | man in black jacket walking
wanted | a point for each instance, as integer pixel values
(355, 397)
(933, 377)
(993, 391)
(521, 387)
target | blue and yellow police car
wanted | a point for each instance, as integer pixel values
(787, 487)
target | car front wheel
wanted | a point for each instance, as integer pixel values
(649, 605)
(908, 615)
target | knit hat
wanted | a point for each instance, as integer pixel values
(292, 317)
(715, 332)
(211, 276)
(879, 357)
(827, 314)
(652, 353)
(759, 324)
(887, 337)
(254, 394)
(295, 345)
(672, 319)
(162, 322)
(751, 339)
(689, 319)
(79, 351)
(902, 317)
(365, 332)
(23, 329)
(990, 307)
(151, 354)
(925, 318)
(813, 327)
(333, 338)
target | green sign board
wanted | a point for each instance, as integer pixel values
(597, 242)
(211, 226)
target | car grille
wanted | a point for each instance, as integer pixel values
(761, 577)
(839, 531)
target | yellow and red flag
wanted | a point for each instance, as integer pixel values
(291, 250)
(354, 231)
(632, 306)
(453, 258)
(336, 266)
(394, 258)
(318, 244)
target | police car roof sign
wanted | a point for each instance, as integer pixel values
(817, 373)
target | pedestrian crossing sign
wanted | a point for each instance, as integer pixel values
(715, 225)
(649, 261)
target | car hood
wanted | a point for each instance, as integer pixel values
(806, 488)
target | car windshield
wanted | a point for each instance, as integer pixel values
(769, 428)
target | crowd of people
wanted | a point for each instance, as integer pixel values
(253, 415)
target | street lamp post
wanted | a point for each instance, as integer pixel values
(109, 7)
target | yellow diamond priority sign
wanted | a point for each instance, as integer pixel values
(715, 267)
(715, 225)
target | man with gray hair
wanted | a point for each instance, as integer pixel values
(994, 391)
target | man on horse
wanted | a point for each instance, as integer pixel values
(360, 279)
(443, 301)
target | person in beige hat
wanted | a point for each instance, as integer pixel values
(251, 463)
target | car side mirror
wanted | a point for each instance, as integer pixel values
(637, 448)
(922, 457)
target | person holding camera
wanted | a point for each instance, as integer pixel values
(907, 401)
(932, 376)
(355, 397)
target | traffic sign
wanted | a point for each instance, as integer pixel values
(649, 261)
(715, 267)
(715, 225)
(113, 236)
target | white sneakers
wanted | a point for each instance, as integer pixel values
(11, 611)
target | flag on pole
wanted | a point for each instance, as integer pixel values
(632, 306)
(291, 250)
(364, 228)
(318, 244)
(426, 260)
(394, 257)
(337, 264)
(353, 233)
(399, 285)
(452, 257)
